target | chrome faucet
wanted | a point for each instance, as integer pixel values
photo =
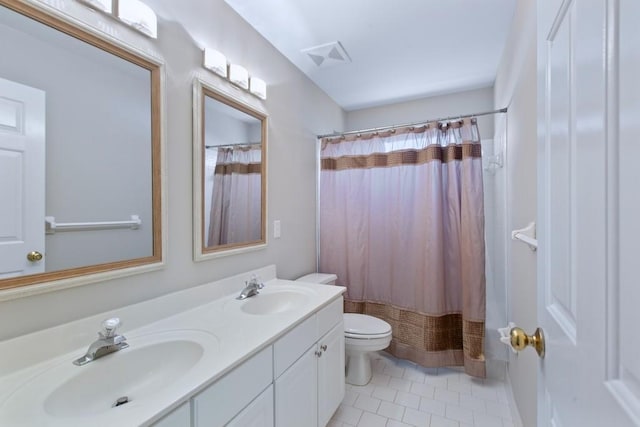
(107, 342)
(251, 288)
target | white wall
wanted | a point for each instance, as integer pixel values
(467, 102)
(494, 232)
(297, 110)
(460, 103)
(516, 86)
(224, 125)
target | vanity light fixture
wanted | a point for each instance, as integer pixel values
(215, 61)
(258, 87)
(138, 15)
(239, 76)
(101, 5)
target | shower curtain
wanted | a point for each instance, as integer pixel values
(236, 197)
(402, 225)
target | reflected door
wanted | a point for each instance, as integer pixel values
(22, 168)
(588, 212)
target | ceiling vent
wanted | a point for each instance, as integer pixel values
(327, 55)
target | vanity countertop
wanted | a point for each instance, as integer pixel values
(231, 336)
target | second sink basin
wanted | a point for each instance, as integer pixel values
(272, 300)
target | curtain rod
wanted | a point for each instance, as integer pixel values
(232, 145)
(443, 119)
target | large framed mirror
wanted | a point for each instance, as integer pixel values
(229, 177)
(80, 154)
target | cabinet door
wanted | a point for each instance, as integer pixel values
(330, 373)
(258, 414)
(297, 393)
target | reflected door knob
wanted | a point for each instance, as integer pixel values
(34, 256)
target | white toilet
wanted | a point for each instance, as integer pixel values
(362, 335)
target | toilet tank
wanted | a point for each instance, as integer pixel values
(319, 278)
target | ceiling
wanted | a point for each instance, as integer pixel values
(399, 49)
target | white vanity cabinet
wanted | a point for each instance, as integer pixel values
(180, 417)
(223, 400)
(309, 370)
(298, 381)
(258, 414)
(331, 373)
(297, 392)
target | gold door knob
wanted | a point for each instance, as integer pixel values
(520, 340)
(34, 256)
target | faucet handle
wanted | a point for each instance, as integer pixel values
(109, 327)
(255, 280)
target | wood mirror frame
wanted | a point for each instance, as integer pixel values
(201, 91)
(13, 287)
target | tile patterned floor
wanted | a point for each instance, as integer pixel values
(402, 394)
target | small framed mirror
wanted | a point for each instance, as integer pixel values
(229, 174)
(80, 154)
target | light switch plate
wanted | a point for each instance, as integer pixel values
(276, 229)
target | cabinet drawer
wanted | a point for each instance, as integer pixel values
(329, 316)
(291, 346)
(219, 403)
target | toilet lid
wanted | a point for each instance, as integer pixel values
(364, 325)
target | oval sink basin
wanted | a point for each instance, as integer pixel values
(272, 300)
(273, 303)
(133, 374)
(153, 364)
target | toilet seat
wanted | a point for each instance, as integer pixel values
(362, 326)
(367, 336)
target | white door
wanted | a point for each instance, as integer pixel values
(22, 168)
(589, 208)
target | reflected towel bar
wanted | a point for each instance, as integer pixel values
(527, 235)
(51, 226)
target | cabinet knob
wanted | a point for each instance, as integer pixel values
(323, 347)
(318, 353)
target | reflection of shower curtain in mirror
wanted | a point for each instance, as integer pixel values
(402, 225)
(235, 215)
